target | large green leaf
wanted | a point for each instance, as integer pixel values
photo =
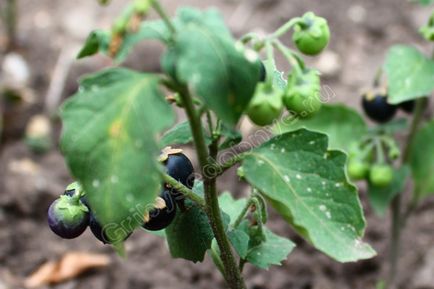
(307, 185)
(342, 124)
(222, 75)
(380, 197)
(410, 74)
(190, 235)
(422, 160)
(109, 144)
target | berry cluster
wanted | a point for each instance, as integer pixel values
(369, 160)
(301, 97)
(377, 108)
(71, 214)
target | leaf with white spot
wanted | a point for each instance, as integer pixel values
(109, 142)
(410, 74)
(307, 185)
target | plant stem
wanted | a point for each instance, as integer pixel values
(156, 5)
(232, 273)
(397, 218)
(285, 27)
(10, 19)
(221, 169)
(184, 190)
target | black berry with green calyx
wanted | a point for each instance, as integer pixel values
(162, 214)
(68, 217)
(377, 108)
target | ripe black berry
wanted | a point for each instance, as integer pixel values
(407, 106)
(377, 108)
(97, 229)
(67, 217)
(163, 213)
(180, 168)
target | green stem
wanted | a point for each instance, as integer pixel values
(397, 218)
(284, 28)
(243, 213)
(221, 169)
(184, 190)
(290, 56)
(232, 273)
(156, 5)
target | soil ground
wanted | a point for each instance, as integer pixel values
(362, 31)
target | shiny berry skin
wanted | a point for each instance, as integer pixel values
(67, 217)
(97, 229)
(163, 214)
(179, 167)
(376, 107)
(381, 175)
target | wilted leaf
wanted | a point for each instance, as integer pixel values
(70, 266)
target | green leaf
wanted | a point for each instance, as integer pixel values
(424, 2)
(380, 198)
(231, 206)
(307, 185)
(422, 160)
(190, 235)
(97, 41)
(105, 78)
(240, 241)
(222, 75)
(342, 124)
(179, 135)
(410, 74)
(149, 30)
(108, 140)
(272, 251)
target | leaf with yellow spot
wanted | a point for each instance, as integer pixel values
(109, 142)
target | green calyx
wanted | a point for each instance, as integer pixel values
(302, 96)
(71, 209)
(266, 105)
(311, 34)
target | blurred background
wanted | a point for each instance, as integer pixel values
(38, 71)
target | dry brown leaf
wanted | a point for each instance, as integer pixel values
(68, 267)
